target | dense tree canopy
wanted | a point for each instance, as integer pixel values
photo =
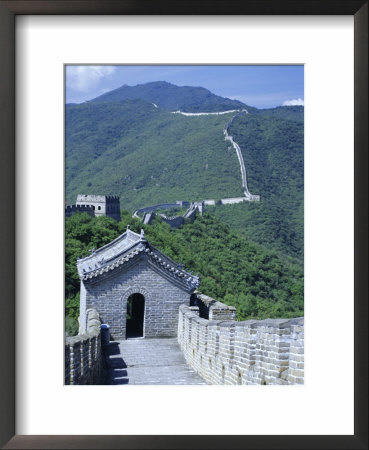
(273, 150)
(128, 143)
(147, 155)
(231, 268)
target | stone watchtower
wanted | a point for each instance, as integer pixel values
(135, 288)
(103, 205)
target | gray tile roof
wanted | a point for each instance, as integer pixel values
(122, 250)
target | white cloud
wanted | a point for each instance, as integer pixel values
(294, 102)
(83, 78)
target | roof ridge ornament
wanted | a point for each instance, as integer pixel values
(142, 235)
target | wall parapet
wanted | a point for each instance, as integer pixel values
(212, 309)
(149, 213)
(72, 209)
(253, 352)
(83, 355)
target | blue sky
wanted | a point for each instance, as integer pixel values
(260, 86)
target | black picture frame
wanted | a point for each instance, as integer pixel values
(8, 12)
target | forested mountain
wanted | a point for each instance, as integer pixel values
(295, 113)
(128, 142)
(273, 150)
(171, 97)
(147, 155)
(231, 269)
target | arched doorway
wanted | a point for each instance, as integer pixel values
(135, 316)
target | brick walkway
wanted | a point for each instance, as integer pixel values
(149, 361)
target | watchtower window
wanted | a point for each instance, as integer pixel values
(99, 207)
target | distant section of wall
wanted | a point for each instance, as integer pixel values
(232, 201)
(148, 218)
(96, 205)
(227, 137)
(73, 209)
(174, 222)
(103, 205)
(250, 352)
(209, 202)
(83, 357)
(182, 203)
(148, 209)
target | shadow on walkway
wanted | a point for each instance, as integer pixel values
(115, 364)
(147, 362)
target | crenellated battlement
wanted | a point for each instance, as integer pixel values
(212, 309)
(140, 292)
(174, 221)
(72, 209)
(96, 205)
(83, 355)
(255, 352)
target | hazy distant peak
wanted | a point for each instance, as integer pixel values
(173, 98)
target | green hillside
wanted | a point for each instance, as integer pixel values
(295, 113)
(120, 145)
(147, 155)
(173, 98)
(231, 269)
(273, 150)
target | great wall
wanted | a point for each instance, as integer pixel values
(249, 197)
(102, 205)
(95, 206)
(142, 320)
(83, 353)
(198, 207)
(215, 346)
(131, 291)
(224, 351)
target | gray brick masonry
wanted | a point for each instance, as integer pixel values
(215, 346)
(130, 265)
(83, 357)
(250, 352)
(109, 295)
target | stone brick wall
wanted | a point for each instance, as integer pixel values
(83, 356)
(103, 205)
(232, 201)
(175, 221)
(161, 206)
(212, 309)
(250, 352)
(108, 294)
(73, 209)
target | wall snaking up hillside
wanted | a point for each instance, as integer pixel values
(83, 355)
(255, 352)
